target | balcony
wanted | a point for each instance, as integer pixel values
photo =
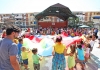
(18, 17)
(6, 17)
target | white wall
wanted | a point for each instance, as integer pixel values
(81, 17)
(95, 20)
(18, 16)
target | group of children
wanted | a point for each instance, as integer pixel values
(79, 53)
(23, 56)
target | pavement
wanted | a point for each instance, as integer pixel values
(95, 55)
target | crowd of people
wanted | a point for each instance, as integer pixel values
(13, 53)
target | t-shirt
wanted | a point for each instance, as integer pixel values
(80, 54)
(24, 55)
(87, 50)
(92, 43)
(35, 59)
(7, 49)
(59, 48)
(19, 48)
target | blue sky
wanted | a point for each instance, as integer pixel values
(24, 6)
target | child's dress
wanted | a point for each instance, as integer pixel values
(87, 52)
(71, 61)
(58, 61)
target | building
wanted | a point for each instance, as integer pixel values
(28, 19)
(89, 15)
(80, 15)
(20, 19)
(0, 18)
(31, 19)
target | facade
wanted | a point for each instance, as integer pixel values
(31, 19)
(20, 19)
(28, 19)
(53, 24)
(89, 15)
(0, 18)
(52, 21)
(80, 15)
(96, 19)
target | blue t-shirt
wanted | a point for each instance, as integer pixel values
(19, 48)
(7, 49)
(80, 54)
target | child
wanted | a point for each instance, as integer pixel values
(71, 58)
(82, 43)
(87, 52)
(25, 58)
(19, 50)
(80, 56)
(59, 53)
(36, 59)
(16, 40)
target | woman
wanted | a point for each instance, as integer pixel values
(59, 52)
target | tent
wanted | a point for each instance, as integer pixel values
(84, 26)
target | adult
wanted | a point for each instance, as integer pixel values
(4, 34)
(92, 42)
(59, 52)
(9, 50)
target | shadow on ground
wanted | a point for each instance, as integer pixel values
(96, 60)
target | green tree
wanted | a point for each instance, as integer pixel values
(77, 20)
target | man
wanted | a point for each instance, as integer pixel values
(92, 42)
(9, 50)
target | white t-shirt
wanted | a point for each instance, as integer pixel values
(92, 43)
(87, 50)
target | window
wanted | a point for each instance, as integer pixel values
(31, 23)
(17, 15)
(89, 18)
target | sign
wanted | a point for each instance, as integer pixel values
(53, 23)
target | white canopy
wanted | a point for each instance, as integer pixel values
(84, 26)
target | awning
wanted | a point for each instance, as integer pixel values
(96, 17)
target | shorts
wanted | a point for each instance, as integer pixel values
(80, 61)
(87, 55)
(25, 61)
(36, 66)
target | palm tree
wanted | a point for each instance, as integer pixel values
(73, 21)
